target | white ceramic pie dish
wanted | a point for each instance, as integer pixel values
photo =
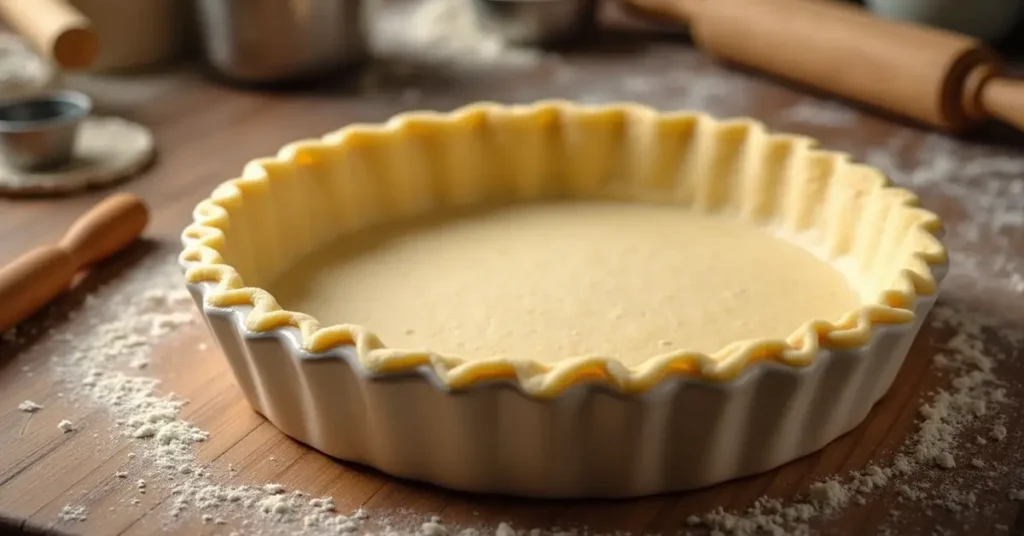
(595, 429)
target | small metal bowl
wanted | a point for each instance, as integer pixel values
(38, 132)
(537, 22)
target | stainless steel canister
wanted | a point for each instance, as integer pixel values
(266, 41)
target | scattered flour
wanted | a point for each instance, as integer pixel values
(29, 406)
(72, 513)
(1017, 283)
(22, 70)
(920, 471)
(814, 111)
(445, 32)
(983, 184)
(433, 528)
(719, 92)
(66, 426)
(113, 332)
(273, 489)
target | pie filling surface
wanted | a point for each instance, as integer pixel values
(554, 280)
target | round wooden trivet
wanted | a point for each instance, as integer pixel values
(108, 149)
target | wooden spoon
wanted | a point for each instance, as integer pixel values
(34, 279)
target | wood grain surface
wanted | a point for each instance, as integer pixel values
(206, 132)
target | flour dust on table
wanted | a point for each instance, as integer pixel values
(72, 513)
(933, 465)
(112, 334)
(29, 406)
(985, 183)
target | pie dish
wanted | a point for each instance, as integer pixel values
(597, 301)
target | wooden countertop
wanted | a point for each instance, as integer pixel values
(206, 132)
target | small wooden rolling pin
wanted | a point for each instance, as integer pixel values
(940, 78)
(32, 280)
(56, 29)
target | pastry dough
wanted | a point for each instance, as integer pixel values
(253, 229)
(550, 281)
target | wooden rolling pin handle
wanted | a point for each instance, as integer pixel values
(35, 278)
(106, 229)
(1004, 98)
(32, 281)
(56, 29)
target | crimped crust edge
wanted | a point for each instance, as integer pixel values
(223, 286)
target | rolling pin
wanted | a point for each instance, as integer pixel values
(56, 29)
(940, 78)
(34, 279)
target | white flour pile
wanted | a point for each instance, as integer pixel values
(443, 32)
(429, 39)
(22, 70)
(72, 513)
(29, 406)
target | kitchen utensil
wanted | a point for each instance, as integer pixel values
(57, 29)
(263, 41)
(536, 22)
(34, 279)
(38, 132)
(940, 78)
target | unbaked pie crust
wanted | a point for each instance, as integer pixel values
(554, 246)
(561, 280)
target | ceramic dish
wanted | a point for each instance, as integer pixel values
(586, 423)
